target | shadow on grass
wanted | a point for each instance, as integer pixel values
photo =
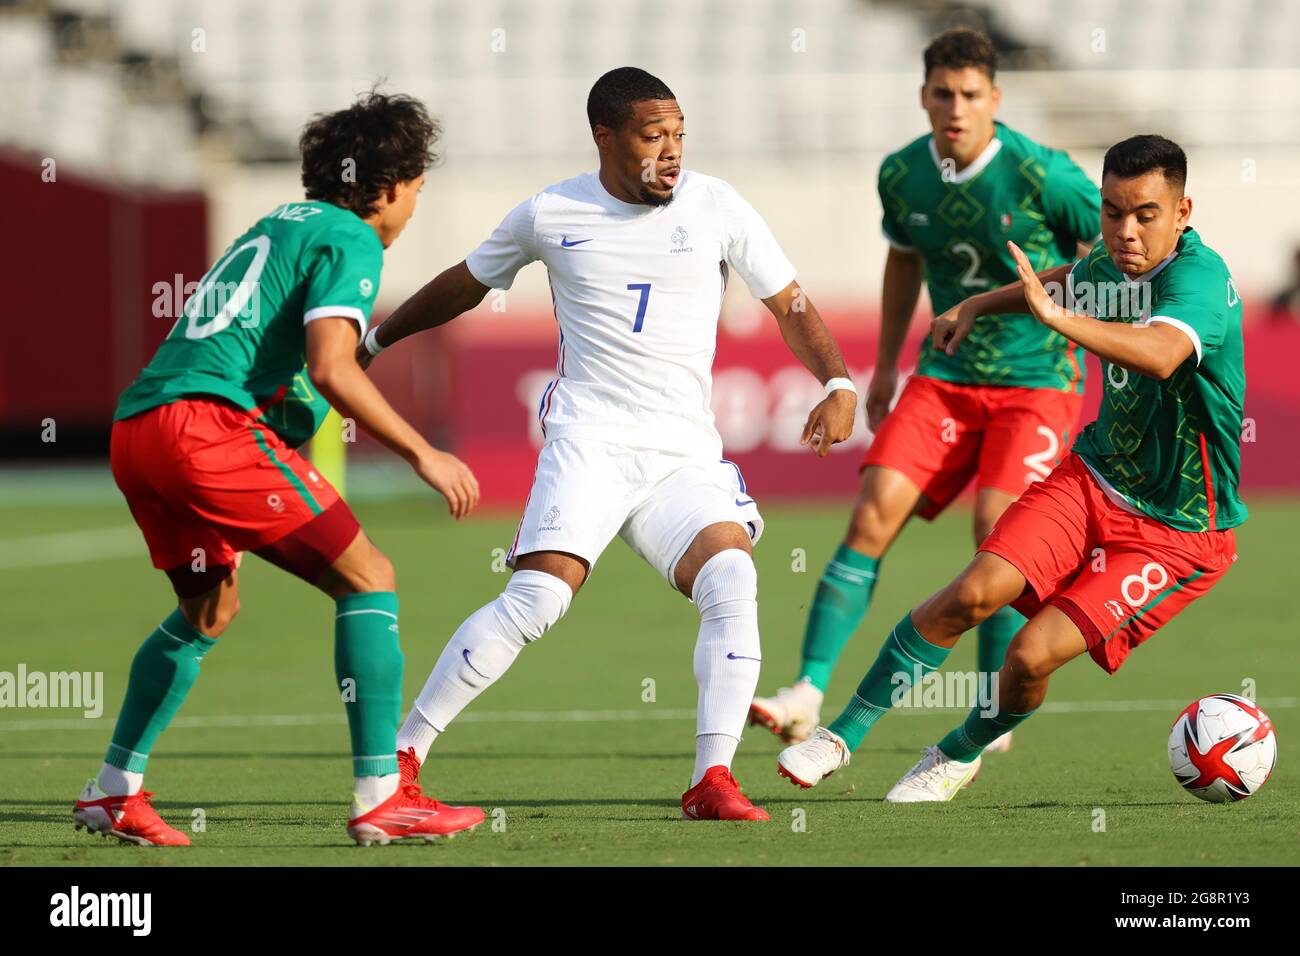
(1077, 805)
(59, 811)
(198, 848)
(434, 757)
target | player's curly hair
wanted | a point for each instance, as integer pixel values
(961, 47)
(610, 101)
(1146, 153)
(351, 156)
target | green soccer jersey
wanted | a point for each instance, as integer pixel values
(242, 334)
(1171, 448)
(960, 222)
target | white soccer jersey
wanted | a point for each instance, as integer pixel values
(637, 292)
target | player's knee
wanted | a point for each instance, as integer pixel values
(532, 602)
(870, 529)
(211, 618)
(1029, 660)
(379, 573)
(222, 617)
(374, 572)
(726, 578)
(972, 601)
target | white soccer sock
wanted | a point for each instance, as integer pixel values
(417, 733)
(713, 750)
(370, 792)
(727, 651)
(116, 782)
(481, 650)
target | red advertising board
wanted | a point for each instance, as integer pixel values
(83, 267)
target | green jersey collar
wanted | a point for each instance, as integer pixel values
(976, 166)
(1159, 266)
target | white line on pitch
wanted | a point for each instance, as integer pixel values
(589, 716)
(321, 720)
(71, 547)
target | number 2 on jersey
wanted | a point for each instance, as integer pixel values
(644, 289)
(972, 279)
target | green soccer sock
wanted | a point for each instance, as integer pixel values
(368, 663)
(995, 634)
(843, 595)
(968, 740)
(162, 673)
(905, 658)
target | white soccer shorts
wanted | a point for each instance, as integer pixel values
(585, 492)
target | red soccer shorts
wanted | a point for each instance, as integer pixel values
(1118, 576)
(206, 481)
(940, 435)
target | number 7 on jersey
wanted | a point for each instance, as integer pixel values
(644, 289)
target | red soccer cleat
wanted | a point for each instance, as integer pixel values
(408, 813)
(408, 765)
(717, 797)
(131, 819)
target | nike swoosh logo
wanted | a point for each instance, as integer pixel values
(741, 502)
(465, 654)
(577, 242)
(733, 656)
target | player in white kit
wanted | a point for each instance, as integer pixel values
(638, 255)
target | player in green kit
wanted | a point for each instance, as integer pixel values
(1002, 408)
(203, 450)
(1136, 523)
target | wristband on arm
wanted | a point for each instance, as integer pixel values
(836, 384)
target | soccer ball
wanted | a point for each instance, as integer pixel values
(1222, 748)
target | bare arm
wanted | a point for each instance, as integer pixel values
(904, 272)
(1152, 350)
(808, 339)
(954, 325)
(333, 369)
(450, 293)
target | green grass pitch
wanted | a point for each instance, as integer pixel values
(575, 767)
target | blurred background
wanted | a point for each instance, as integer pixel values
(139, 137)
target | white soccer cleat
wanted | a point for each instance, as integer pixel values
(793, 714)
(1000, 745)
(808, 763)
(936, 778)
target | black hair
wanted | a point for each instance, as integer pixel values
(610, 101)
(961, 47)
(1143, 154)
(388, 138)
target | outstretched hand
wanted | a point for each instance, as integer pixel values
(1042, 305)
